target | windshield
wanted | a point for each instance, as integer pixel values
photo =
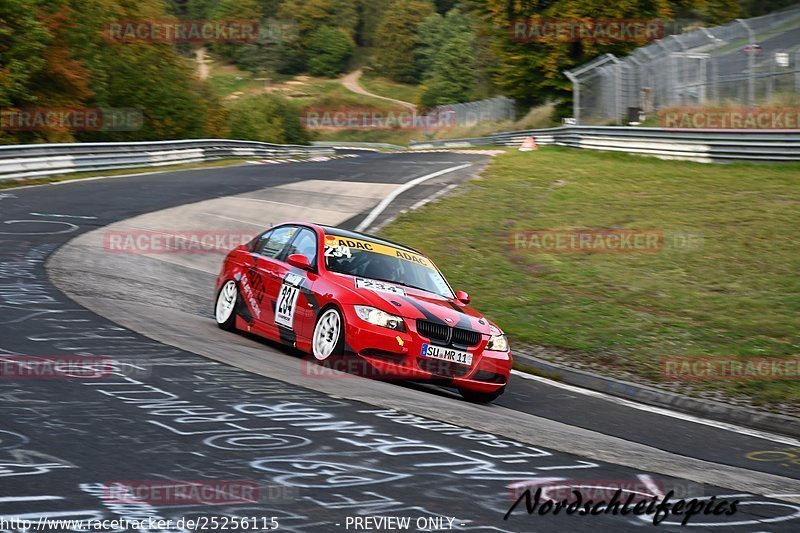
(382, 262)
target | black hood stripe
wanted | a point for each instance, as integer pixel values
(427, 314)
(463, 320)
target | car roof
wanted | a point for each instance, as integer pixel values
(366, 236)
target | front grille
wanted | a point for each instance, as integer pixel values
(466, 337)
(444, 334)
(434, 331)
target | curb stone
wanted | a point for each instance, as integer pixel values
(781, 424)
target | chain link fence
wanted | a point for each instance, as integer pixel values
(747, 62)
(471, 113)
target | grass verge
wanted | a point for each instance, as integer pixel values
(391, 89)
(724, 285)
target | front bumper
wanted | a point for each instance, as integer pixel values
(396, 354)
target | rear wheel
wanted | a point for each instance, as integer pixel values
(225, 310)
(328, 339)
(481, 397)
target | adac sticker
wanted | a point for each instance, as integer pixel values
(335, 241)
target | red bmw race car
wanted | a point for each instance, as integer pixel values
(336, 293)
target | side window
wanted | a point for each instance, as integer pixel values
(306, 244)
(271, 244)
(259, 244)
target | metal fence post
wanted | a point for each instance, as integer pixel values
(576, 97)
(617, 90)
(751, 64)
(797, 70)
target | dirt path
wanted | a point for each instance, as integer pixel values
(202, 63)
(351, 83)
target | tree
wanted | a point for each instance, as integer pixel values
(23, 39)
(199, 9)
(532, 72)
(754, 8)
(449, 61)
(311, 15)
(444, 6)
(713, 12)
(431, 35)
(278, 48)
(370, 13)
(150, 77)
(329, 51)
(244, 10)
(396, 38)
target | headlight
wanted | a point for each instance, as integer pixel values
(497, 343)
(379, 318)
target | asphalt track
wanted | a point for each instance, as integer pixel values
(321, 450)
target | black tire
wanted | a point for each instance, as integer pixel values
(338, 343)
(229, 323)
(481, 397)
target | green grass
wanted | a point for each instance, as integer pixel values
(734, 293)
(335, 96)
(391, 89)
(224, 84)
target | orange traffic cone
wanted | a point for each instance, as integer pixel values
(528, 145)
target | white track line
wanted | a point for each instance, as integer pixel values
(62, 216)
(400, 190)
(665, 412)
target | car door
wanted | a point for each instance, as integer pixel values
(296, 305)
(265, 277)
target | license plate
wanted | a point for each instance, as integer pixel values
(446, 354)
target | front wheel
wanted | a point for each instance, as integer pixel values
(481, 397)
(328, 339)
(224, 311)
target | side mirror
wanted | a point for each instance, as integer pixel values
(300, 261)
(462, 296)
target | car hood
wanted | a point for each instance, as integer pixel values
(419, 304)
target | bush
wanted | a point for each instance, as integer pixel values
(267, 118)
(329, 51)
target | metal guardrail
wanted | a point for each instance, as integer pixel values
(704, 146)
(356, 144)
(41, 160)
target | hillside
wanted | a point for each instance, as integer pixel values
(120, 55)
